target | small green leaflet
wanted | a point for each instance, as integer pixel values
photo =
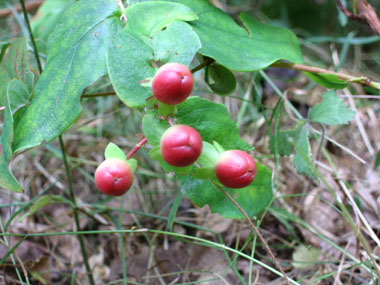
(220, 79)
(327, 80)
(331, 111)
(113, 151)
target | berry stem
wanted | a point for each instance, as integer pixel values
(121, 5)
(170, 121)
(256, 231)
(2, 108)
(137, 147)
(203, 64)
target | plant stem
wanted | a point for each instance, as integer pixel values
(203, 64)
(137, 147)
(102, 94)
(256, 231)
(365, 81)
(75, 211)
(31, 35)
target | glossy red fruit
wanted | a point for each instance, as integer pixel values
(181, 145)
(235, 169)
(113, 177)
(172, 83)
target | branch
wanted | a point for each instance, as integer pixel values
(365, 81)
(137, 147)
(29, 7)
(102, 94)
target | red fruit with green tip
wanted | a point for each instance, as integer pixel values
(235, 169)
(181, 145)
(113, 177)
(172, 83)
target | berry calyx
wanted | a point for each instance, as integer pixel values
(113, 177)
(181, 145)
(235, 169)
(172, 83)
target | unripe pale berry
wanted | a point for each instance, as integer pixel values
(113, 177)
(235, 169)
(181, 145)
(172, 83)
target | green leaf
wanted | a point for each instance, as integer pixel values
(132, 164)
(327, 80)
(44, 201)
(302, 159)
(253, 47)
(3, 48)
(377, 162)
(113, 151)
(331, 111)
(128, 65)
(50, 14)
(177, 43)
(212, 121)
(155, 153)
(143, 21)
(220, 79)
(15, 62)
(305, 257)
(165, 109)
(153, 128)
(4, 81)
(253, 199)
(15, 92)
(76, 58)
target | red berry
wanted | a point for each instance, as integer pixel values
(113, 177)
(235, 169)
(172, 83)
(181, 145)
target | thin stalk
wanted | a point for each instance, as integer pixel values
(137, 147)
(102, 94)
(365, 81)
(75, 211)
(203, 64)
(31, 35)
(256, 231)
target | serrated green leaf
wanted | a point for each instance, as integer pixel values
(15, 62)
(212, 121)
(142, 21)
(331, 111)
(253, 199)
(220, 79)
(305, 257)
(76, 58)
(302, 159)
(113, 151)
(153, 128)
(286, 140)
(177, 43)
(327, 80)
(155, 153)
(241, 49)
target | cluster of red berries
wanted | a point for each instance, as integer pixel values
(181, 145)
